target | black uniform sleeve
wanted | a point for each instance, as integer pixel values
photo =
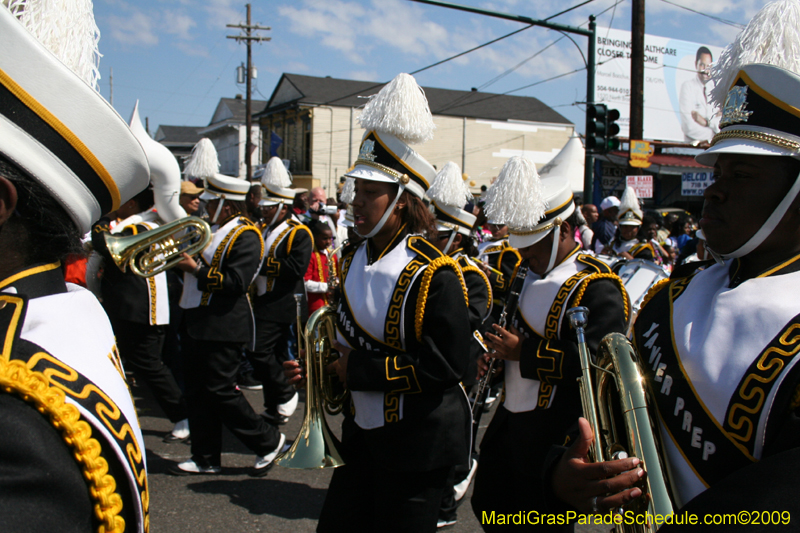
(479, 296)
(41, 486)
(239, 267)
(287, 270)
(438, 362)
(643, 251)
(557, 359)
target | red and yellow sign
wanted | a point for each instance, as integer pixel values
(640, 153)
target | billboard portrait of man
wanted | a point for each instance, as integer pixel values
(699, 118)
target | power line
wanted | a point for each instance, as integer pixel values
(718, 19)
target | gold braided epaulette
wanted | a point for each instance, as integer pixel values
(603, 275)
(422, 297)
(652, 291)
(35, 388)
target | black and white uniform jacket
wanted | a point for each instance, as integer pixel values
(502, 257)
(479, 289)
(549, 364)
(216, 299)
(403, 311)
(127, 296)
(288, 248)
(71, 450)
(720, 354)
(635, 247)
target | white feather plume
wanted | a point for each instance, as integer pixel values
(449, 187)
(629, 202)
(203, 162)
(771, 37)
(67, 28)
(348, 193)
(400, 109)
(275, 174)
(516, 197)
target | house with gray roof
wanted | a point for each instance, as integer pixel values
(179, 140)
(311, 122)
(227, 131)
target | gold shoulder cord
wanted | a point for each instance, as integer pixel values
(422, 297)
(602, 275)
(35, 388)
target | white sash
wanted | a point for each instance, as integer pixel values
(192, 295)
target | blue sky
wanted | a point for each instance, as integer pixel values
(173, 55)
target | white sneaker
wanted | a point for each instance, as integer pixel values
(288, 408)
(461, 489)
(265, 462)
(189, 467)
(180, 432)
(445, 523)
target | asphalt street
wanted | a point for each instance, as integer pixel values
(233, 502)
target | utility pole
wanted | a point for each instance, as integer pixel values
(247, 37)
(590, 63)
(636, 131)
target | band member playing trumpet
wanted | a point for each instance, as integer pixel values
(219, 324)
(403, 336)
(718, 347)
(539, 349)
(138, 308)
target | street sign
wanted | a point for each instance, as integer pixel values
(643, 185)
(694, 183)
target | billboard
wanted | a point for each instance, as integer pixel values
(676, 106)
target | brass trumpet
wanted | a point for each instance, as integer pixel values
(616, 402)
(156, 250)
(316, 446)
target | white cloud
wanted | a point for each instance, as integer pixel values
(133, 29)
(178, 24)
(364, 75)
(192, 49)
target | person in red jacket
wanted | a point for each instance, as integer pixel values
(317, 278)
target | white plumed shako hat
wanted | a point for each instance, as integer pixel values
(54, 125)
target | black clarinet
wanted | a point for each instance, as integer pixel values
(506, 317)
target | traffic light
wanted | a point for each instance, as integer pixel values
(601, 129)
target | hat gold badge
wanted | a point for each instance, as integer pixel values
(734, 111)
(367, 151)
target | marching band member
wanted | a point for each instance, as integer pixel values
(139, 308)
(540, 351)
(502, 261)
(403, 335)
(626, 243)
(719, 346)
(71, 451)
(449, 193)
(287, 253)
(219, 324)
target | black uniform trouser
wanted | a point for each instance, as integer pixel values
(272, 340)
(140, 346)
(509, 478)
(212, 396)
(364, 495)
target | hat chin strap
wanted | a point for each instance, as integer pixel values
(219, 208)
(384, 218)
(554, 249)
(450, 241)
(277, 214)
(766, 229)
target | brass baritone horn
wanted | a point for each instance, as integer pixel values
(315, 446)
(156, 250)
(616, 402)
